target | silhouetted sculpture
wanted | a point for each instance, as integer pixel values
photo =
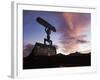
(48, 29)
(40, 49)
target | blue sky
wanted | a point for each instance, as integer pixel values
(33, 31)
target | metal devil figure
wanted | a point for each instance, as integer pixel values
(48, 29)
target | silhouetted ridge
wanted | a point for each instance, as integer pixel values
(57, 60)
(60, 54)
(79, 54)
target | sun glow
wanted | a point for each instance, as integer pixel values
(84, 48)
(60, 50)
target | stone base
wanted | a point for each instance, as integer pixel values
(43, 50)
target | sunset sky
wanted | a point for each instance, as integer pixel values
(73, 30)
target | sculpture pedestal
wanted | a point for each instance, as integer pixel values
(43, 50)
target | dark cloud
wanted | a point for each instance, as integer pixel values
(82, 41)
(27, 49)
(56, 46)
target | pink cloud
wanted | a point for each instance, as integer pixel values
(74, 33)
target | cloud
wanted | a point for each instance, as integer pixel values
(82, 41)
(75, 31)
(27, 49)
